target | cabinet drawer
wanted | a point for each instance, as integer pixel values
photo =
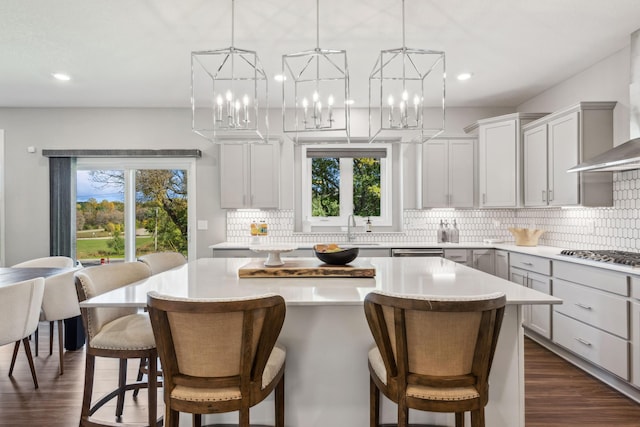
(601, 348)
(457, 255)
(604, 311)
(609, 281)
(531, 263)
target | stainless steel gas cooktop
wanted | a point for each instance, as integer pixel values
(617, 257)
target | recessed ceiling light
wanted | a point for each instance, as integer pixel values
(464, 76)
(62, 77)
(280, 77)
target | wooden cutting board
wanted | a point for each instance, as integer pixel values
(306, 268)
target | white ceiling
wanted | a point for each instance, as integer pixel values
(136, 53)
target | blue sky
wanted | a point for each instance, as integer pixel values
(86, 189)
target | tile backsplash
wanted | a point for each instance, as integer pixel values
(616, 227)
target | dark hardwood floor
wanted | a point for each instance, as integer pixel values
(557, 393)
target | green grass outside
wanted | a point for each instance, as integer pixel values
(98, 248)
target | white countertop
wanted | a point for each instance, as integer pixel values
(551, 252)
(218, 278)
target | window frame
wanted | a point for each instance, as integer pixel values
(346, 187)
(129, 166)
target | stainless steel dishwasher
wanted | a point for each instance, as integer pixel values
(421, 252)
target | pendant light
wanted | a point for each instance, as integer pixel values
(229, 93)
(407, 94)
(315, 92)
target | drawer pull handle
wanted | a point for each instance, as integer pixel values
(586, 307)
(585, 342)
(455, 256)
(526, 263)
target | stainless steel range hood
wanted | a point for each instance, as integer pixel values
(625, 156)
(622, 157)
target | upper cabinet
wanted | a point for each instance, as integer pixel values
(499, 159)
(448, 173)
(249, 175)
(560, 141)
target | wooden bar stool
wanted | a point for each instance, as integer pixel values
(122, 333)
(432, 353)
(219, 355)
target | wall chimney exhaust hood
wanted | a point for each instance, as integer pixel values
(624, 156)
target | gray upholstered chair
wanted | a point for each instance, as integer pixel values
(163, 261)
(219, 355)
(59, 302)
(19, 310)
(432, 353)
(120, 332)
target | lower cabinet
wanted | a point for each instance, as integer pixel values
(483, 260)
(480, 259)
(598, 347)
(593, 320)
(460, 256)
(535, 317)
(502, 264)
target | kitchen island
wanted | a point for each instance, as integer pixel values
(327, 336)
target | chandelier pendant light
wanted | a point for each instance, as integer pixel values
(229, 93)
(315, 91)
(407, 90)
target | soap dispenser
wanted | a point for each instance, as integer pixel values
(454, 233)
(367, 225)
(441, 233)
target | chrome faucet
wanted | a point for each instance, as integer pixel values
(351, 224)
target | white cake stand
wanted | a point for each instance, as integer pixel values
(273, 251)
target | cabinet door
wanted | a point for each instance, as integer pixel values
(497, 164)
(519, 276)
(461, 173)
(435, 174)
(563, 154)
(483, 260)
(540, 315)
(502, 264)
(233, 176)
(534, 144)
(264, 191)
(457, 255)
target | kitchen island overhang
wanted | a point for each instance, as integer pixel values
(327, 336)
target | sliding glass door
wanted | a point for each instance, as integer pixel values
(125, 209)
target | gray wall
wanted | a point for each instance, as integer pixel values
(27, 176)
(607, 80)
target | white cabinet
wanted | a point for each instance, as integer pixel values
(593, 320)
(483, 260)
(461, 256)
(249, 175)
(448, 173)
(559, 141)
(533, 272)
(499, 159)
(502, 264)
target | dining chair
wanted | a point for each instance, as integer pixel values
(219, 355)
(19, 310)
(163, 261)
(118, 332)
(59, 297)
(432, 353)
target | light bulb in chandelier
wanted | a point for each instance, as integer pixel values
(406, 118)
(317, 121)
